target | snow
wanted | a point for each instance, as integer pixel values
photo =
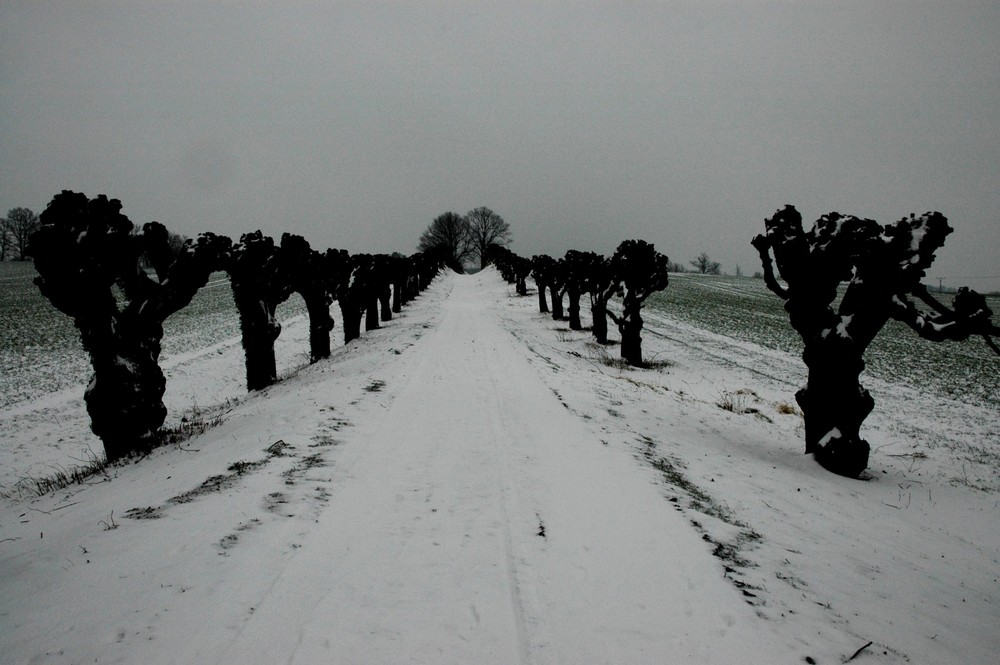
(842, 326)
(829, 436)
(472, 483)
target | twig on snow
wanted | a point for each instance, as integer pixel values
(858, 652)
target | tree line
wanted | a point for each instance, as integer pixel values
(634, 272)
(119, 283)
(841, 281)
(882, 267)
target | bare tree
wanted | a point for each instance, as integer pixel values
(486, 228)
(705, 265)
(449, 235)
(883, 267)
(20, 224)
(4, 239)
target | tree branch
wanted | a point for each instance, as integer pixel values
(921, 292)
(763, 246)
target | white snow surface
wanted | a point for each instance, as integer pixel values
(472, 483)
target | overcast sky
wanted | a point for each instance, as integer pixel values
(582, 124)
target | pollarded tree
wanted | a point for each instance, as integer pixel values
(883, 267)
(84, 250)
(522, 268)
(575, 270)
(261, 280)
(642, 271)
(399, 267)
(602, 286)
(542, 266)
(448, 236)
(382, 285)
(309, 275)
(340, 268)
(486, 228)
(557, 287)
(355, 295)
(368, 280)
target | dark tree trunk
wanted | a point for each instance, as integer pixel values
(371, 314)
(351, 316)
(260, 329)
(834, 405)
(630, 327)
(125, 395)
(557, 305)
(320, 325)
(574, 310)
(397, 297)
(598, 310)
(522, 287)
(385, 301)
(543, 304)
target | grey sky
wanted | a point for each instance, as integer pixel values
(582, 124)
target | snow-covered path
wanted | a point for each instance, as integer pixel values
(480, 523)
(475, 483)
(423, 497)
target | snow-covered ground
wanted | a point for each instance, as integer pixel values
(474, 483)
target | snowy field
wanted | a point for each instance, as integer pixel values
(475, 483)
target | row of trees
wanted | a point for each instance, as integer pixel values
(119, 283)
(841, 282)
(462, 238)
(634, 272)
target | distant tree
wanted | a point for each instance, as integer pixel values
(261, 280)
(706, 266)
(883, 267)
(675, 267)
(642, 271)
(87, 254)
(486, 228)
(448, 235)
(20, 224)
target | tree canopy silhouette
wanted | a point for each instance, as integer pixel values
(883, 267)
(448, 236)
(642, 271)
(486, 228)
(88, 257)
